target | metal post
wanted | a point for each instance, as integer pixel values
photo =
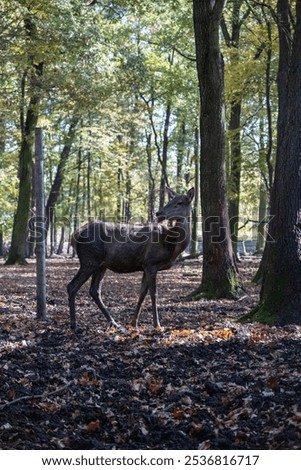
(40, 226)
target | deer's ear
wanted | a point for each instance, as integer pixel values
(190, 194)
(171, 193)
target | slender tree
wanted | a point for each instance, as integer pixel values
(59, 176)
(232, 40)
(196, 202)
(219, 268)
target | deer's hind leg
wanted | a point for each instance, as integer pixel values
(143, 292)
(95, 292)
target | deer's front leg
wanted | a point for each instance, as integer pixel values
(151, 276)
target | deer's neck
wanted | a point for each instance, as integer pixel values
(179, 236)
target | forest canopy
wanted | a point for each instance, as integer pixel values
(114, 87)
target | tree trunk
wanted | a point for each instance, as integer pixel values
(59, 177)
(280, 297)
(196, 204)
(235, 171)
(262, 211)
(17, 252)
(232, 40)
(219, 269)
(181, 140)
(151, 179)
(78, 198)
(163, 161)
(128, 197)
(119, 207)
(89, 195)
(60, 247)
(1, 243)
(40, 223)
(284, 30)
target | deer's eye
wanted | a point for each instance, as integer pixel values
(180, 203)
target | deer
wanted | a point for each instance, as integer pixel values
(126, 248)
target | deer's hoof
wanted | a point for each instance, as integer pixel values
(77, 330)
(134, 322)
(158, 328)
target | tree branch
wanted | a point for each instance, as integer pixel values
(225, 32)
(33, 397)
(188, 57)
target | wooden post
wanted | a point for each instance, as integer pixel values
(40, 226)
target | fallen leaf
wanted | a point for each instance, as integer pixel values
(93, 426)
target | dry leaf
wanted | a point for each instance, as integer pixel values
(93, 426)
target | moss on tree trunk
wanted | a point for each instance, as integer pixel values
(18, 245)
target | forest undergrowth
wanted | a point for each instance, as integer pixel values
(204, 381)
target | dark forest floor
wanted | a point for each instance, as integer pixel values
(202, 382)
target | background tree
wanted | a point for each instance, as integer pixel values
(281, 286)
(28, 121)
(219, 269)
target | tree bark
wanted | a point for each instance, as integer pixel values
(197, 201)
(33, 74)
(280, 297)
(163, 160)
(219, 268)
(181, 141)
(78, 198)
(232, 40)
(285, 48)
(235, 171)
(262, 211)
(59, 176)
(40, 224)
(151, 179)
(17, 252)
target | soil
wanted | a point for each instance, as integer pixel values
(204, 381)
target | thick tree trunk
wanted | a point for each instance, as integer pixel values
(17, 252)
(219, 269)
(284, 30)
(280, 297)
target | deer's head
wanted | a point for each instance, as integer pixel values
(178, 208)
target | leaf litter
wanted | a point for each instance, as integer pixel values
(204, 381)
